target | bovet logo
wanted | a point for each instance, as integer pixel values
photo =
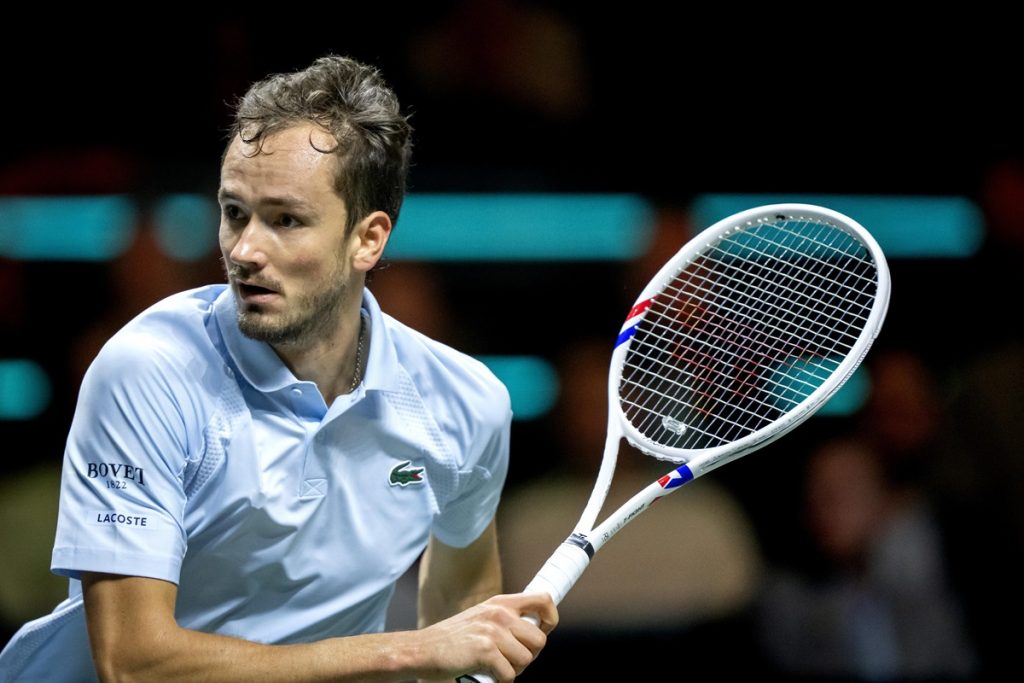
(115, 470)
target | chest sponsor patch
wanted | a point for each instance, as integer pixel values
(404, 474)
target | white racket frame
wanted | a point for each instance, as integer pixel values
(570, 559)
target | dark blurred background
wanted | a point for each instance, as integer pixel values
(883, 544)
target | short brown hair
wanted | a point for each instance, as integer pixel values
(352, 102)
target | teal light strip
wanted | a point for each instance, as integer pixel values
(905, 227)
(469, 227)
(66, 228)
(850, 398)
(24, 389)
(533, 386)
(436, 227)
(186, 226)
(532, 383)
(521, 227)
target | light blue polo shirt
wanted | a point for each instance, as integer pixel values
(196, 457)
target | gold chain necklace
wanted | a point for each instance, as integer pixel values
(358, 371)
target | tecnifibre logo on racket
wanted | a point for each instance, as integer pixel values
(673, 425)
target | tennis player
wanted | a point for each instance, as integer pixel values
(252, 466)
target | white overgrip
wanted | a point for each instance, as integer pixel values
(561, 572)
(558, 575)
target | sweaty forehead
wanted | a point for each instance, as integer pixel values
(299, 136)
(295, 156)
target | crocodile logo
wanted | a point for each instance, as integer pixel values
(403, 474)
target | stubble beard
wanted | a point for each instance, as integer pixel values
(307, 319)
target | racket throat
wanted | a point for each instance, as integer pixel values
(581, 541)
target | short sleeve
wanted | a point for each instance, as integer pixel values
(122, 501)
(467, 514)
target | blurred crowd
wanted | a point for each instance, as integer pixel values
(878, 546)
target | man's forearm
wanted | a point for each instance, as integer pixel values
(455, 579)
(181, 654)
(134, 636)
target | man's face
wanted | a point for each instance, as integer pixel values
(282, 235)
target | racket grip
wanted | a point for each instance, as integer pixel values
(561, 572)
(558, 575)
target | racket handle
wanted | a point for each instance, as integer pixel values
(561, 572)
(558, 575)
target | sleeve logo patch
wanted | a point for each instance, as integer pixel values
(403, 474)
(111, 518)
(115, 474)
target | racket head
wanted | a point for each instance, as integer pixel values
(746, 332)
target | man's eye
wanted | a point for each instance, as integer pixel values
(232, 212)
(289, 221)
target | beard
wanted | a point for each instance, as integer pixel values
(308, 317)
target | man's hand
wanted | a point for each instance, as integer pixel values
(492, 637)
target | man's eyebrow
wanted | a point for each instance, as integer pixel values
(288, 201)
(223, 195)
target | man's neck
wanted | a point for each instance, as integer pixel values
(330, 362)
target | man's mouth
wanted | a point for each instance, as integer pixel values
(251, 293)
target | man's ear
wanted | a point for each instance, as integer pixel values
(369, 238)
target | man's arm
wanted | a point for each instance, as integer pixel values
(134, 637)
(453, 580)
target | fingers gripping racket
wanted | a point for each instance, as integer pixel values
(749, 329)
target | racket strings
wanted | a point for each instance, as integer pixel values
(826, 324)
(742, 309)
(708, 367)
(776, 354)
(817, 290)
(745, 332)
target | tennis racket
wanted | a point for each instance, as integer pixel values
(744, 334)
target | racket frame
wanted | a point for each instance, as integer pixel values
(697, 462)
(565, 566)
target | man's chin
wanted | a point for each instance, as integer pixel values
(261, 326)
